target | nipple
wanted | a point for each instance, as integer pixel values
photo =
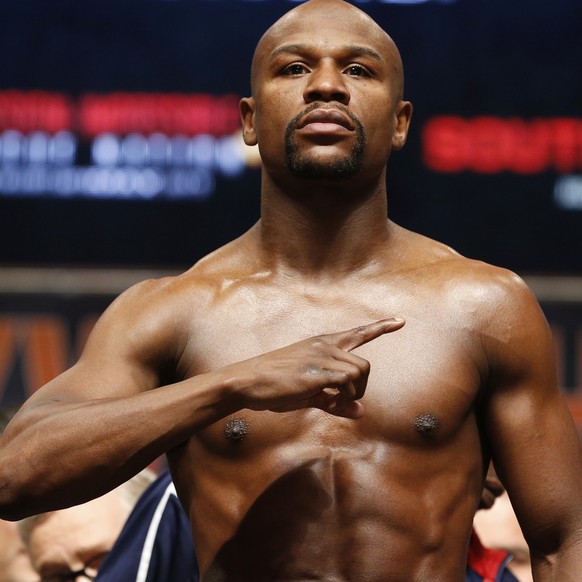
(236, 430)
(427, 424)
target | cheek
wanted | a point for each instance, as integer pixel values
(375, 111)
(270, 142)
(379, 133)
(276, 106)
(270, 126)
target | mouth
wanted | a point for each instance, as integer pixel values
(325, 120)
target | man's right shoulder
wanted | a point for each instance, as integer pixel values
(167, 294)
(189, 290)
(153, 319)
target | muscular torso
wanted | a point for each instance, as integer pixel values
(305, 495)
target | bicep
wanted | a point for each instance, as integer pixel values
(534, 443)
(125, 354)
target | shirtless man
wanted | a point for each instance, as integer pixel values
(301, 451)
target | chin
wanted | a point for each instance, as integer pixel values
(337, 168)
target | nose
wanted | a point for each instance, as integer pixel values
(326, 83)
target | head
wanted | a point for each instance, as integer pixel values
(327, 94)
(15, 564)
(70, 540)
(498, 527)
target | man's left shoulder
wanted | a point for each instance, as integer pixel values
(482, 281)
(450, 280)
(488, 299)
(447, 270)
(499, 305)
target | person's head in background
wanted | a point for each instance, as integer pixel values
(71, 544)
(15, 564)
(498, 528)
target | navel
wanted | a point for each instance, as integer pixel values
(427, 424)
(236, 430)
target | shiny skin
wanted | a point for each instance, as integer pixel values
(377, 371)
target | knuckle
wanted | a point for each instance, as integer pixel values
(318, 343)
(312, 370)
(343, 377)
(362, 332)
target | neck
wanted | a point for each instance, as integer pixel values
(323, 230)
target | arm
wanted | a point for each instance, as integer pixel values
(535, 445)
(101, 421)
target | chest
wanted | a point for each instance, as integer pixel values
(423, 378)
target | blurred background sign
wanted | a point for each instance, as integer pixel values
(120, 149)
(120, 142)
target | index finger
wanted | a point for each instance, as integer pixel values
(358, 336)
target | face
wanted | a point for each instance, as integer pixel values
(327, 85)
(15, 565)
(68, 540)
(492, 489)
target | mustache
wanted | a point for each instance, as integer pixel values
(294, 123)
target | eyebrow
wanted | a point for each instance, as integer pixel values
(355, 50)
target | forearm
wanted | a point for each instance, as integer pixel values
(64, 453)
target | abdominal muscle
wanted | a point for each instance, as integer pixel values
(331, 516)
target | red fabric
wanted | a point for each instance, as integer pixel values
(485, 561)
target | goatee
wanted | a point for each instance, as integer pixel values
(339, 167)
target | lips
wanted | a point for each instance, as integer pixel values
(334, 116)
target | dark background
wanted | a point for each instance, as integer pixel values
(518, 58)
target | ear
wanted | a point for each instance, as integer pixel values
(403, 115)
(247, 115)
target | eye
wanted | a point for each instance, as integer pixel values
(357, 71)
(295, 69)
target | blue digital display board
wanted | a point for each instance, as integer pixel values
(120, 142)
